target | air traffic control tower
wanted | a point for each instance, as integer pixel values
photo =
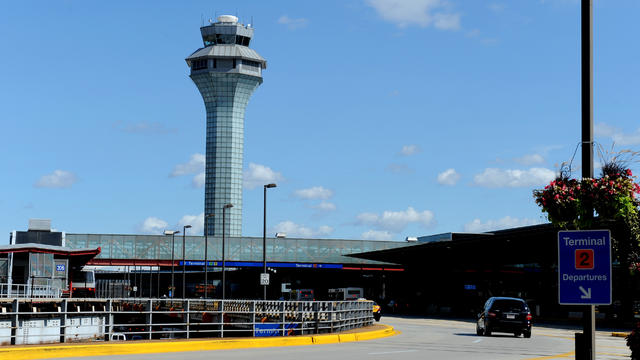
(226, 71)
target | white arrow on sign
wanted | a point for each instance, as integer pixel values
(586, 294)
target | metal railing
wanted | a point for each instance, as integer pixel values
(29, 291)
(66, 320)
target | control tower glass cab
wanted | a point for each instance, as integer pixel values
(226, 71)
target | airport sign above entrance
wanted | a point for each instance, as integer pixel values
(584, 267)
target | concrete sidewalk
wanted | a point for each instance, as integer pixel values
(166, 346)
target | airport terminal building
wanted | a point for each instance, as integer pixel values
(450, 273)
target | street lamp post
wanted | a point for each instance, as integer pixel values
(184, 262)
(206, 259)
(264, 237)
(173, 234)
(224, 285)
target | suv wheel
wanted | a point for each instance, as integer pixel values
(527, 333)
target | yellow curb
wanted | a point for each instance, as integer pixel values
(565, 355)
(346, 337)
(619, 334)
(164, 346)
(327, 339)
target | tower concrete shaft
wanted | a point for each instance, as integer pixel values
(226, 71)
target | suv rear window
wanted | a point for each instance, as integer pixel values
(509, 305)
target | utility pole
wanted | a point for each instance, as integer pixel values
(586, 16)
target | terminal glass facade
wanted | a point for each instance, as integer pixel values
(158, 247)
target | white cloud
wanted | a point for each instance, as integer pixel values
(448, 177)
(617, 135)
(57, 179)
(377, 235)
(396, 221)
(604, 130)
(325, 206)
(293, 24)
(316, 192)
(530, 159)
(408, 150)
(446, 21)
(153, 225)
(259, 175)
(496, 178)
(422, 13)
(196, 222)
(294, 230)
(194, 165)
(477, 226)
(198, 180)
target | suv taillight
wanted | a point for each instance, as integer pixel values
(491, 314)
(529, 317)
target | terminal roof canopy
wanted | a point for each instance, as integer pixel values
(526, 245)
(77, 257)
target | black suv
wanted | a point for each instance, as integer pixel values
(504, 314)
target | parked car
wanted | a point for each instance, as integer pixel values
(504, 314)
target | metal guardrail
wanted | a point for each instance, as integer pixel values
(65, 320)
(29, 291)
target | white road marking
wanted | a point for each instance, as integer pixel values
(477, 341)
(392, 352)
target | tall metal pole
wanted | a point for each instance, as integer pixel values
(206, 257)
(264, 238)
(224, 285)
(173, 287)
(587, 145)
(264, 243)
(173, 236)
(587, 88)
(184, 262)
(224, 268)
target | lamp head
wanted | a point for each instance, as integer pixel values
(272, 185)
(227, 206)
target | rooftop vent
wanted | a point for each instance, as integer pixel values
(228, 19)
(412, 239)
(39, 224)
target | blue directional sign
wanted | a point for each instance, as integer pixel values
(584, 267)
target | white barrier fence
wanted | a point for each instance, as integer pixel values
(31, 321)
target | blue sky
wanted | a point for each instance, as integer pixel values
(378, 119)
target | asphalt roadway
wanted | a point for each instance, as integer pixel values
(417, 338)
